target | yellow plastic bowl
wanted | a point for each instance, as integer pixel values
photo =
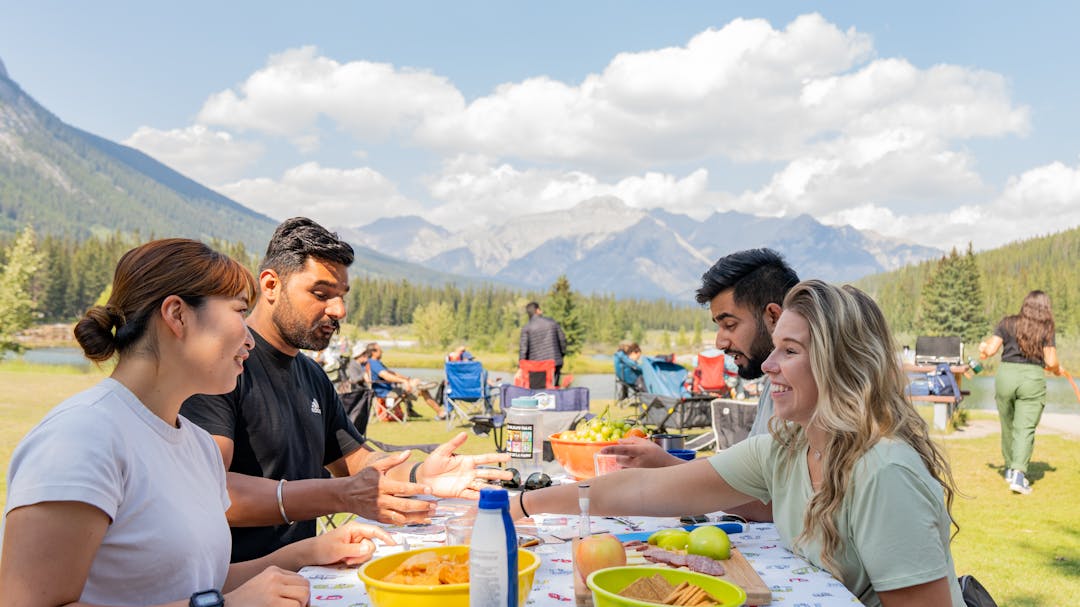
(386, 594)
(576, 456)
(606, 583)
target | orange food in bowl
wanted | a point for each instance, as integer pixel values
(576, 456)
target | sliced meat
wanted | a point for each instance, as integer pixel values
(666, 557)
(704, 564)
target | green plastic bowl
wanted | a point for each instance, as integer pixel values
(606, 583)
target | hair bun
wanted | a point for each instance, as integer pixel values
(94, 332)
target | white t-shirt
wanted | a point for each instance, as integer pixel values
(162, 487)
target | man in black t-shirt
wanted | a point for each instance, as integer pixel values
(283, 431)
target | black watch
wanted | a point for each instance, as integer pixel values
(207, 598)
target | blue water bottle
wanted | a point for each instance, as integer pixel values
(493, 553)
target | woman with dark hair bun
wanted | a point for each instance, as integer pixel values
(1020, 384)
(119, 491)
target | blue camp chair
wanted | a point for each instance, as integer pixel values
(467, 392)
(667, 403)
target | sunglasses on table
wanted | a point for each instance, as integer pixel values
(536, 480)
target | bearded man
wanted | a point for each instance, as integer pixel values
(283, 430)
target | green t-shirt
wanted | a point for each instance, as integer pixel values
(893, 524)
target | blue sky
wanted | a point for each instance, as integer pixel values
(937, 122)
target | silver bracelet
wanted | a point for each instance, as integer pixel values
(281, 503)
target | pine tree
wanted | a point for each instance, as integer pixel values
(561, 307)
(952, 302)
(16, 305)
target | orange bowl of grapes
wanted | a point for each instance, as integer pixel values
(575, 453)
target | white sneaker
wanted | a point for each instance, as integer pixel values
(1010, 474)
(1020, 484)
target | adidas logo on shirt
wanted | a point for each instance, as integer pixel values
(315, 408)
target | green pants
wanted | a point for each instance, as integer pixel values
(1020, 392)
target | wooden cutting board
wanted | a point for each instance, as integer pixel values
(737, 570)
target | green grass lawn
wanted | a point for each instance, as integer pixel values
(1025, 549)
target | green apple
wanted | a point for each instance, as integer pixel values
(711, 542)
(670, 539)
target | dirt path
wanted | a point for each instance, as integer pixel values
(1066, 424)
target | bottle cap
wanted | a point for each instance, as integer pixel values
(524, 402)
(494, 499)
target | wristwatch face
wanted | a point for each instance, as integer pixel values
(207, 598)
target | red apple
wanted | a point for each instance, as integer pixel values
(598, 552)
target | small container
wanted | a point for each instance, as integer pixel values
(683, 454)
(669, 441)
(524, 442)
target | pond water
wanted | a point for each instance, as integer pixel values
(1060, 395)
(52, 356)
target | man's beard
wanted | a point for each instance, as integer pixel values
(295, 332)
(760, 350)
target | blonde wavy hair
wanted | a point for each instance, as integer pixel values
(860, 401)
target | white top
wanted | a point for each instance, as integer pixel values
(162, 487)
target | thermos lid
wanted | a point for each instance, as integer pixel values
(524, 402)
(493, 499)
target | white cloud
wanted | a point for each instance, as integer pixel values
(208, 156)
(746, 92)
(370, 100)
(1041, 201)
(346, 197)
(474, 191)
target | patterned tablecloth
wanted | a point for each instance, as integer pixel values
(794, 582)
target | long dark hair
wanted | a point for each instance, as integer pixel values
(1034, 325)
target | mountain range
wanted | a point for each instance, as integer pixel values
(603, 245)
(64, 180)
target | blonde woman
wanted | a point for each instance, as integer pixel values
(856, 485)
(1020, 383)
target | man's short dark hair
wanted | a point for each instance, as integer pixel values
(299, 238)
(532, 308)
(759, 277)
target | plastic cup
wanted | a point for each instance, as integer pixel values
(459, 529)
(605, 462)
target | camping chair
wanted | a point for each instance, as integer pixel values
(535, 374)
(731, 421)
(667, 403)
(626, 395)
(710, 376)
(467, 392)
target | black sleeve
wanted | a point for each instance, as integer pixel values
(216, 414)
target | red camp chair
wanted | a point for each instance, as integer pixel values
(535, 374)
(710, 376)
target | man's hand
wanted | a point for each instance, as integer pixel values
(636, 452)
(452, 475)
(373, 495)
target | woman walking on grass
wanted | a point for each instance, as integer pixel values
(1020, 385)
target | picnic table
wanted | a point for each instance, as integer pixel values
(792, 580)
